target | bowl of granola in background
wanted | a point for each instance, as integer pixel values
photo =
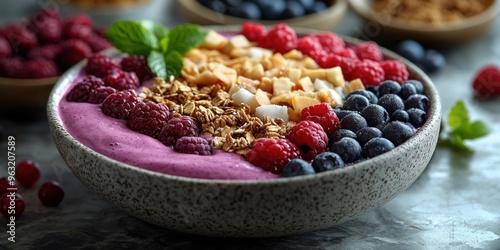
(326, 19)
(248, 208)
(433, 23)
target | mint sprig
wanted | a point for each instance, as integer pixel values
(461, 128)
(163, 48)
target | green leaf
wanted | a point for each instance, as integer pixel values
(458, 142)
(164, 44)
(458, 117)
(132, 38)
(156, 28)
(475, 130)
(156, 62)
(185, 37)
(173, 65)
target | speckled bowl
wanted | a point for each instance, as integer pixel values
(250, 208)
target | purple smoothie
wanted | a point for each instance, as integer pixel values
(111, 137)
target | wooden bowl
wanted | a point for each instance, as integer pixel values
(26, 93)
(328, 19)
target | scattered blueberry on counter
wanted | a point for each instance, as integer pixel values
(428, 59)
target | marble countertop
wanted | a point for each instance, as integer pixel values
(454, 204)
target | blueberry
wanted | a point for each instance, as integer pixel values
(397, 132)
(327, 161)
(308, 5)
(373, 89)
(217, 6)
(341, 113)
(292, 10)
(297, 167)
(377, 146)
(353, 122)
(372, 98)
(416, 117)
(418, 85)
(417, 101)
(411, 50)
(400, 115)
(375, 115)
(318, 7)
(388, 87)
(356, 103)
(366, 134)
(341, 133)
(246, 10)
(391, 103)
(433, 61)
(271, 10)
(407, 89)
(232, 3)
(348, 149)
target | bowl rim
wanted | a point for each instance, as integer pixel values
(362, 8)
(434, 116)
(28, 82)
(335, 9)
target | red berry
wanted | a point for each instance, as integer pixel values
(48, 30)
(99, 94)
(20, 38)
(281, 39)
(7, 185)
(12, 204)
(44, 13)
(49, 51)
(72, 52)
(193, 145)
(368, 50)
(138, 65)
(5, 49)
(50, 194)
(77, 31)
(324, 115)
(98, 43)
(122, 80)
(177, 128)
(101, 65)
(310, 137)
(348, 53)
(120, 104)
(310, 46)
(41, 68)
(254, 32)
(330, 42)
(80, 19)
(27, 173)
(272, 154)
(368, 71)
(487, 81)
(12, 67)
(81, 91)
(395, 70)
(148, 118)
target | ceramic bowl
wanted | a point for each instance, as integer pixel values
(258, 208)
(26, 93)
(328, 19)
(384, 27)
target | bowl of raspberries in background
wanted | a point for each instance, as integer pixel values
(35, 52)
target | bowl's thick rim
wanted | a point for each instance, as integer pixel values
(336, 9)
(362, 8)
(434, 116)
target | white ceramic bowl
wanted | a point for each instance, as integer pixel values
(250, 208)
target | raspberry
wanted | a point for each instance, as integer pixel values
(324, 115)
(121, 80)
(395, 71)
(98, 43)
(27, 173)
(330, 42)
(6, 205)
(48, 30)
(368, 71)
(7, 185)
(193, 145)
(20, 38)
(5, 49)
(310, 46)
(487, 81)
(148, 118)
(12, 67)
(72, 52)
(348, 53)
(138, 65)
(310, 137)
(49, 51)
(41, 68)
(254, 32)
(50, 194)
(281, 39)
(99, 94)
(77, 31)
(120, 104)
(177, 128)
(44, 13)
(101, 65)
(80, 19)
(81, 91)
(368, 50)
(272, 154)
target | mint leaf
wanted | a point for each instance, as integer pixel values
(185, 37)
(132, 38)
(173, 62)
(164, 44)
(475, 130)
(156, 62)
(458, 116)
(156, 28)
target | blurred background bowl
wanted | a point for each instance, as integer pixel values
(26, 93)
(385, 28)
(327, 19)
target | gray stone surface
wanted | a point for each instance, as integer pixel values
(454, 204)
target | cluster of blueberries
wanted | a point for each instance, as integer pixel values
(429, 60)
(265, 9)
(373, 121)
